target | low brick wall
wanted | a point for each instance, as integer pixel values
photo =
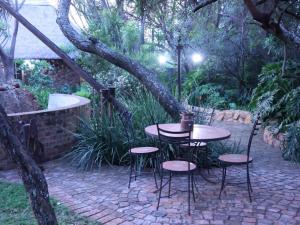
(54, 128)
(276, 140)
(233, 115)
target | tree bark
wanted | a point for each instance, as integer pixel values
(77, 69)
(147, 77)
(33, 178)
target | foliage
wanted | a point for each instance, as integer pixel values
(277, 96)
(85, 91)
(292, 144)
(38, 82)
(15, 208)
(208, 94)
(99, 141)
(106, 140)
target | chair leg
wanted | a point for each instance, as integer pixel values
(189, 193)
(136, 167)
(131, 169)
(170, 180)
(249, 184)
(193, 183)
(223, 180)
(154, 171)
(160, 189)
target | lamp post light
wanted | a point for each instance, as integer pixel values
(197, 58)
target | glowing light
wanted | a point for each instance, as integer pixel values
(197, 58)
(162, 59)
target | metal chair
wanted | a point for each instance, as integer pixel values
(227, 160)
(176, 139)
(138, 153)
(202, 116)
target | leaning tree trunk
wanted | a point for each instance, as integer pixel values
(33, 178)
(147, 77)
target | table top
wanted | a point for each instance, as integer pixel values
(200, 132)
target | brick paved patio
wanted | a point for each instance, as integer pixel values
(104, 195)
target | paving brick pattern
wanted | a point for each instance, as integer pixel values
(104, 196)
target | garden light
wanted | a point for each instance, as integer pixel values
(197, 58)
(162, 59)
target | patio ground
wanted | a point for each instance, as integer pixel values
(104, 195)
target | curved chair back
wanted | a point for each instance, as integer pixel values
(128, 130)
(173, 137)
(204, 115)
(254, 132)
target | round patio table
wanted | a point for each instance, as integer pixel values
(200, 133)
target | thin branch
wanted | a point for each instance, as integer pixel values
(203, 4)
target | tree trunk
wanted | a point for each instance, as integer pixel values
(33, 178)
(9, 69)
(147, 77)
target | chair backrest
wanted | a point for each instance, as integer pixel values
(128, 130)
(254, 132)
(203, 115)
(173, 137)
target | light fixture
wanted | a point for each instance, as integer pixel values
(162, 59)
(197, 58)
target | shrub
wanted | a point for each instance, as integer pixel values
(104, 140)
(292, 144)
(38, 82)
(277, 100)
(277, 97)
(208, 94)
(98, 142)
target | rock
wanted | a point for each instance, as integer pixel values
(18, 100)
(219, 116)
(236, 114)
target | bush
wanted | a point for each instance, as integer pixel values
(208, 95)
(98, 142)
(277, 97)
(39, 83)
(277, 100)
(292, 144)
(105, 140)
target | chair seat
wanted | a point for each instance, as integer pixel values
(195, 144)
(234, 158)
(178, 166)
(143, 150)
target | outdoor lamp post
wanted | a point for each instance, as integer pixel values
(164, 59)
(179, 47)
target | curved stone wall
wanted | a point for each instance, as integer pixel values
(55, 125)
(276, 140)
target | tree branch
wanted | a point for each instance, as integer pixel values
(147, 77)
(203, 4)
(270, 26)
